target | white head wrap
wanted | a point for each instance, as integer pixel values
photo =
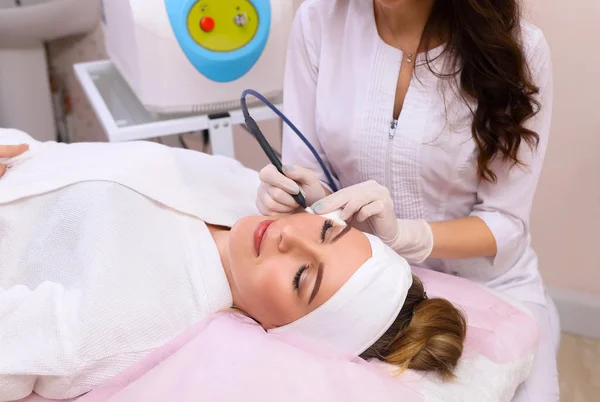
(358, 314)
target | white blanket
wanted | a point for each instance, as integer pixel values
(104, 257)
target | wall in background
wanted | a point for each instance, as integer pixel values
(566, 214)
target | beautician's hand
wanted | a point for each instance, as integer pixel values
(368, 201)
(9, 151)
(371, 202)
(275, 191)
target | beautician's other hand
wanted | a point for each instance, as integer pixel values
(371, 202)
(368, 201)
(275, 191)
(9, 151)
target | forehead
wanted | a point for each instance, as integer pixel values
(340, 260)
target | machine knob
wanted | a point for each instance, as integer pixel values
(207, 24)
(241, 19)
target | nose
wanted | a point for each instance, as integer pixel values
(294, 240)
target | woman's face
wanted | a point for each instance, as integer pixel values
(283, 268)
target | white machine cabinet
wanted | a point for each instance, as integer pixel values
(181, 65)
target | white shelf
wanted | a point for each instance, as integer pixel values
(124, 118)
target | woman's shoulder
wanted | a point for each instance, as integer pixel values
(535, 45)
(329, 14)
(325, 25)
(321, 7)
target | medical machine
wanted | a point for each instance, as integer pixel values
(197, 56)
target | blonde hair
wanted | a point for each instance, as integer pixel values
(428, 335)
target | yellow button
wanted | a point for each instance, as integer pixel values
(231, 24)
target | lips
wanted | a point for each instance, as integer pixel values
(259, 234)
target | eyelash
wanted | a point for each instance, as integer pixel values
(326, 226)
(298, 275)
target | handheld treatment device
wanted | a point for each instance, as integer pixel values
(266, 147)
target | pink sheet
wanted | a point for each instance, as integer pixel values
(227, 357)
(497, 329)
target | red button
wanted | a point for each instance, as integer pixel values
(207, 24)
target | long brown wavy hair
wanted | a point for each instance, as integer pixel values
(483, 40)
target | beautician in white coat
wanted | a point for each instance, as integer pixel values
(434, 118)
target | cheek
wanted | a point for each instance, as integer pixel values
(262, 282)
(264, 294)
(241, 243)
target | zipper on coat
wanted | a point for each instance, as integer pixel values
(393, 125)
(388, 153)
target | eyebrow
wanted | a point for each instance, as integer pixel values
(317, 283)
(342, 233)
(320, 267)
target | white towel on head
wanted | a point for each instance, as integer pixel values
(356, 316)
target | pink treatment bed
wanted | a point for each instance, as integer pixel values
(227, 357)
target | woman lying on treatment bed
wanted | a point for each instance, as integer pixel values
(108, 251)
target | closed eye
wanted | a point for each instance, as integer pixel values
(296, 281)
(326, 226)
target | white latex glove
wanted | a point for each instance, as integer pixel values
(275, 191)
(10, 151)
(371, 202)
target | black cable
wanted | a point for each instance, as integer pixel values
(252, 125)
(262, 141)
(245, 127)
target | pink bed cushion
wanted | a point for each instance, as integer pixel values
(228, 358)
(496, 329)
